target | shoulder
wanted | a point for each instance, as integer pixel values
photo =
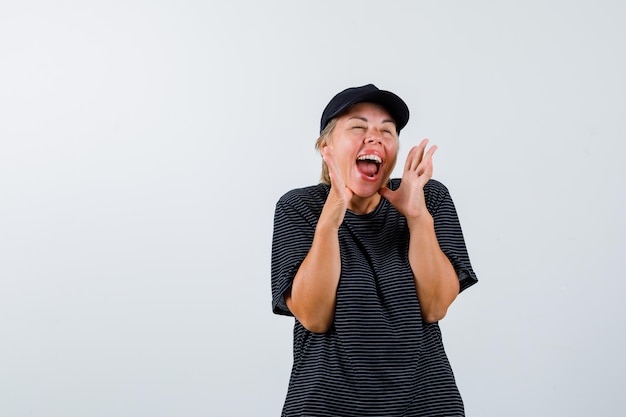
(436, 189)
(308, 201)
(311, 193)
(302, 204)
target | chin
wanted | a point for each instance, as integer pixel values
(367, 190)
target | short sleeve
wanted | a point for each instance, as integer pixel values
(449, 233)
(294, 229)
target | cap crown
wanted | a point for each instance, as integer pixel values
(396, 107)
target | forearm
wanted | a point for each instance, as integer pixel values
(435, 279)
(314, 290)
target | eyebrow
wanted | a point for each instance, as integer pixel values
(365, 119)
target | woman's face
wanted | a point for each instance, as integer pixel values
(364, 143)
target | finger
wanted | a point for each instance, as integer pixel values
(419, 155)
(327, 155)
(428, 155)
(338, 185)
(425, 169)
(329, 158)
(410, 158)
(385, 192)
(424, 142)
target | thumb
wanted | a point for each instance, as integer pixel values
(385, 192)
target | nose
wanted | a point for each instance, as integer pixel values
(373, 137)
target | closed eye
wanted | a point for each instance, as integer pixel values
(389, 131)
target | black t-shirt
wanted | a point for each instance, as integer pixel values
(378, 358)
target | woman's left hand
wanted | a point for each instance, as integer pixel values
(408, 199)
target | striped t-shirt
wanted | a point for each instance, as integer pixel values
(378, 358)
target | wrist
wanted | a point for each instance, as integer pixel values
(328, 225)
(420, 221)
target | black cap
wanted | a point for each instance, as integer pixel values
(371, 94)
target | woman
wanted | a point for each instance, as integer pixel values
(368, 266)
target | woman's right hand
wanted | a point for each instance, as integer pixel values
(339, 196)
(313, 293)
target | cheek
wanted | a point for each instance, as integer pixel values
(394, 158)
(391, 165)
(344, 154)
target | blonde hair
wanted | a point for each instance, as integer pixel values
(321, 142)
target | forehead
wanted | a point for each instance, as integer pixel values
(369, 111)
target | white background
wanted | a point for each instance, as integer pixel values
(145, 143)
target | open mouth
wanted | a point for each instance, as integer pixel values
(369, 165)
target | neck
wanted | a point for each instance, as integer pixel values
(364, 205)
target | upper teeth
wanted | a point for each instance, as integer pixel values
(374, 158)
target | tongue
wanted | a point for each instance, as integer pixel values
(367, 167)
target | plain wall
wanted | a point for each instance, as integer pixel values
(143, 145)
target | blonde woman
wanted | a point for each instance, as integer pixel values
(368, 265)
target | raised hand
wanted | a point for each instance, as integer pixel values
(408, 199)
(340, 195)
